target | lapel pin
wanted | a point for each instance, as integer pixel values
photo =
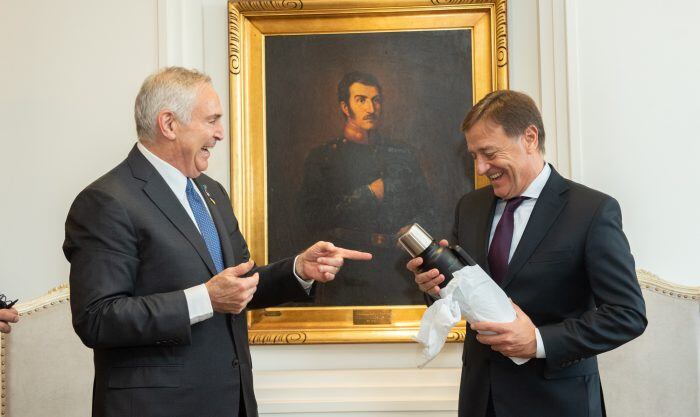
(204, 188)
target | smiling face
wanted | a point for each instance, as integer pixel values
(194, 140)
(364, 108)
(510, 163)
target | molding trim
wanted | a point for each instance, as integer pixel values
(553, 80)
(573, 108)
(360, 391)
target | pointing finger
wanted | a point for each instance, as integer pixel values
(354, 254)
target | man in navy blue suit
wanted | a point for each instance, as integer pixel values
(558, 251)
(160, 273)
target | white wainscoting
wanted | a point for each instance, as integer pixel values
(355, 380)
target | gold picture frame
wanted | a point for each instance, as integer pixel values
(250, 22)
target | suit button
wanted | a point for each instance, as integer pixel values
(234, 363)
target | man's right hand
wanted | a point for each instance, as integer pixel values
(428, 281)
(228, 292)
(7, 316)
(377, 188)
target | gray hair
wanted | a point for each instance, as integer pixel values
(172, 88)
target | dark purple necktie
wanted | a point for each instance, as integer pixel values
(502, 237)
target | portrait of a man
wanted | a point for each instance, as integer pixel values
(358, 190)
(362, 138)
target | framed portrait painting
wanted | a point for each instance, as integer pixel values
(345, 127)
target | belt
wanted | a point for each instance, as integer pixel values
(363, 238)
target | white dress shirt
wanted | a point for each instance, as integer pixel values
(198, 301)
(520, 219)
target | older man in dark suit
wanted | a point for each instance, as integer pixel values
(160, 273)
(558, 250)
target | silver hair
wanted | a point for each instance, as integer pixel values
(172, 88)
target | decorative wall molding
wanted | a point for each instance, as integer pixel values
(553, 77)
(181, 33)
(358, 391)
(573, 113)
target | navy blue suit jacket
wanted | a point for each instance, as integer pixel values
(133, 249)
(573, 275)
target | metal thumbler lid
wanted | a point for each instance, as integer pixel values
(415, 240)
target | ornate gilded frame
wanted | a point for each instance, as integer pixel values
(249, 23)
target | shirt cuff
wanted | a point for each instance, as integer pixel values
(540, 354)
(198, 303)
(306, 285)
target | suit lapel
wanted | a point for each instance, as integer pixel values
(482, 218)
(226, 248)
(162, 196)
(547, 208)
(486, 231)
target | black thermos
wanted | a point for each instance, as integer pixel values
(447, 259)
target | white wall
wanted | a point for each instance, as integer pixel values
(637, 70)
(69, 75)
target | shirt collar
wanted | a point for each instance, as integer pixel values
(175, 179)
(534, 190)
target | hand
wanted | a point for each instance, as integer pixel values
(7, 316)
(377, 188)
(428, 281)
(228, 292)
(323, 260)
(514, 339)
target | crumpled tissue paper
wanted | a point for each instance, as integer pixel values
(471, 293)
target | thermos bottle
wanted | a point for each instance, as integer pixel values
(447, 259)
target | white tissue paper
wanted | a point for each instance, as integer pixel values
(471, 293)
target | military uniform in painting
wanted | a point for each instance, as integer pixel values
(337, 204)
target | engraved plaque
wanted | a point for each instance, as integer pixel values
(371, 316)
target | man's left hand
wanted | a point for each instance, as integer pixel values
(7, 316)
(515, 339)
(323, 260)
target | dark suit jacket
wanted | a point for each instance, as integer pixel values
(133, 249)
(573, 275)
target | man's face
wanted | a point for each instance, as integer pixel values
(511, 164)
(195, 139)
(364, 108)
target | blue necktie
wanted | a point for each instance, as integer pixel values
(206, 226)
